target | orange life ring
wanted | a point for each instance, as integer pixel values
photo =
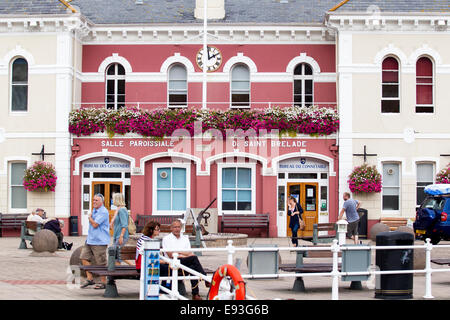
(233, 272)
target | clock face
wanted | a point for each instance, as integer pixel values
(213, 59)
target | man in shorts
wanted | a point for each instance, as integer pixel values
(94, 250)
(350, 208)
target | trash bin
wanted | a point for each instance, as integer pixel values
(394, 286)
(362, 228)
(73, 225)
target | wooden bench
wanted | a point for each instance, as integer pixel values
(237, 221)
(318, 227)
(12, 221)
(142, 220)
(300, 267)
(115, 272)
(25, 233)
(394, 222)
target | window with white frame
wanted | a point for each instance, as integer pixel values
(19, 85)
(178, 87)
(115, 86)
(171, 189)
(240, 86)
(391, 187)
(390, 96)
(18, 195)
(237, 189)
(424, 176)
(424, 85)
(303, 85)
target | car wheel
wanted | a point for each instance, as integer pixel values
(435, 239)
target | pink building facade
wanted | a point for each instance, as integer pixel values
(245, 175)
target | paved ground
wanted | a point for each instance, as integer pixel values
(24, 276)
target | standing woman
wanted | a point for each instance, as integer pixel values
(119, 223)
(295, 212)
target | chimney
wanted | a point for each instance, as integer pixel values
(215, 10)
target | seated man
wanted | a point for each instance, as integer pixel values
(175, 240)
(38, 216)
(55, 225)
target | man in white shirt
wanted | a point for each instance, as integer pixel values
(175, 240)
(38, 216)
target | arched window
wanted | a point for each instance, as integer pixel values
(390, 96)
(19, 85)
(115, 86)
(178, 88)
(240, 86)
(424, 86)
(303, 85)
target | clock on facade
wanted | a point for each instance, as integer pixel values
(213, 59)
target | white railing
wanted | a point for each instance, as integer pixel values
(198, 105)
(335, 248)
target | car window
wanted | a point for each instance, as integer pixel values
(433, 203)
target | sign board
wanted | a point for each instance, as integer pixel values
(150, 268)
(105, 164)
(303, 164)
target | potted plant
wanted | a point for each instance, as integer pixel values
(365, 179)
(41, 176)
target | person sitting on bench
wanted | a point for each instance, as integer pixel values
(150, 231)
(175, 240)
(55, 225)
(37, 215)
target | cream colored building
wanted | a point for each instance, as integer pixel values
(393, 91)
(40, 56)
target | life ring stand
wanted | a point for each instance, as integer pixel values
(222, 272)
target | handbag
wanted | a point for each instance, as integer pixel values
(302, 224)
(131, 225)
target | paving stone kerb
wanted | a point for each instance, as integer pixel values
(35, 278)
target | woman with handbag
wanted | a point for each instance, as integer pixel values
(295, 212)
(119, 222)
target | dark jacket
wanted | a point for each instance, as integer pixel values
(295, 218)
(53, 225)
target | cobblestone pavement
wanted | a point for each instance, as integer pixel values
(24, 276)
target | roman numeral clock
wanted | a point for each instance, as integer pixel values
(213, 59)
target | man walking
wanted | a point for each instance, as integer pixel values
(94, 250)
(350, 208)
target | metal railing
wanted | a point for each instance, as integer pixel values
(335, 248)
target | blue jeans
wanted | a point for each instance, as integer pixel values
(294, 234)
(116, 243)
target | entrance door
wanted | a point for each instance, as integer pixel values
(107, 189)
(306, 194)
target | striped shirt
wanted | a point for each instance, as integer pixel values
(139, 245)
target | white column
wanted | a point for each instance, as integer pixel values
(345, 105)
(64, 83)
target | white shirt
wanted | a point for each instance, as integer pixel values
(181, 244)
(37, 218)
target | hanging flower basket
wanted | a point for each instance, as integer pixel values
(41, 176)
(365, 179)
(444, 175)
(162, 122)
